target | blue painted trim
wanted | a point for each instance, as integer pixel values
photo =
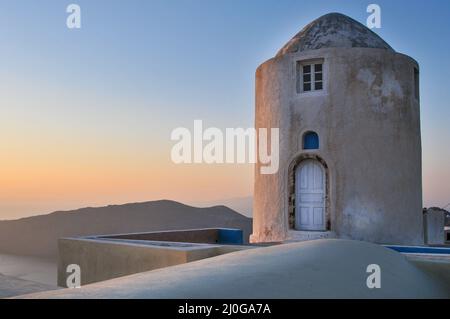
(231, 236)
(311, 141)
(420, 250)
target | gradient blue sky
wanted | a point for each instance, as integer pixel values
(86, 115)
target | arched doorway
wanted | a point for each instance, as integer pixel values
(310, 196)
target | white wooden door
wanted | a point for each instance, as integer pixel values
(310, 196)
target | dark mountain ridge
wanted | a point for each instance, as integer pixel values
(38, 235)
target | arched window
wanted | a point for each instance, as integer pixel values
(310, 141)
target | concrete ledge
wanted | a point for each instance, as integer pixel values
(204, 236)
(436, 266)
(106, 257)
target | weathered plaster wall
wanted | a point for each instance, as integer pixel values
(368, 121)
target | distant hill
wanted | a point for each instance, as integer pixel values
(38, 235)
(243, 205)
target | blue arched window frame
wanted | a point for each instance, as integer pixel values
(310, 141)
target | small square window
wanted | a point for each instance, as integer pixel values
(306, 87)
(310, 76)
(306, 69)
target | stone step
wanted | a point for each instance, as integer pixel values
(294, 236)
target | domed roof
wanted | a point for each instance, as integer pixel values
(334, 30)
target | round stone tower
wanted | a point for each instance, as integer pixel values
(347, 108)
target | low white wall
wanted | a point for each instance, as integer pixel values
(434, 223)
(101, 260)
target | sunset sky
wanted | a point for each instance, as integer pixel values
(86, 115)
